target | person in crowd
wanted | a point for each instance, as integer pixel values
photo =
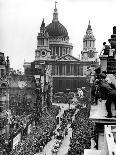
(112, 43)
(97, 72)
(96, 91)
(107, 92)
(80, 93)
(113, 48)
(105, 49)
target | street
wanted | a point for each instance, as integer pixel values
(66, 141)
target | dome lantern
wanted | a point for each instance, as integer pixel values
(55, 14)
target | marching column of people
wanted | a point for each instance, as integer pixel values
(82, 129)
(62, 130)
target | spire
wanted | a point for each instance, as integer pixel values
(43, 24)
(42, 28)
(89, 32)
(55, 4)
(89, 26)
(55, 14)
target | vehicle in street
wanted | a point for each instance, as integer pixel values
(66, 131)
(55, 148)
(59, 141)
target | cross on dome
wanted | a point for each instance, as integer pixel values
(55, 14)
(55, 4)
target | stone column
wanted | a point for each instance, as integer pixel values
(65, 69)
(55, 69)
(52, 51)
(55, 52)
(58, 69)
(70, 70)
(59, 51)
(88, 43)
(103, 62)
(93, 43)
(0, 73)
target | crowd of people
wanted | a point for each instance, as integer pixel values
(66, 118)
(63, 97)
(17, 122)
(39, 135)
(83, 130)
(82, 126)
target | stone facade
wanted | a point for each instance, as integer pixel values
(4, 102)
(21, 94)
(54, 60)
(89, 52)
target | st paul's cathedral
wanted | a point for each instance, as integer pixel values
(55, 51)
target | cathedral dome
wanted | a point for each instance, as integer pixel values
(56, 29)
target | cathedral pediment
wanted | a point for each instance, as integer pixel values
(67, 57)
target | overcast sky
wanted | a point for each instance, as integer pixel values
(20, 22)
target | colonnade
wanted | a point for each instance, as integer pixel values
(60, 51)
(89, 44)
(68, 69)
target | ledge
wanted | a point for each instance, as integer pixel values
(98, 113)
(103, 56)
(91, 152)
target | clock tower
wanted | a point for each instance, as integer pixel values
(42, 52)
(89, 52)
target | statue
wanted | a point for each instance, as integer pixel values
(114, 30)
(112, 43)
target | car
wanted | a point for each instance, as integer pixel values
(59, 141)
(56, 145)
(55, 150)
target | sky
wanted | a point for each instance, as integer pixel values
(20, 22)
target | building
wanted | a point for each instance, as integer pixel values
(4, 103)
(110, 139)
(55, 50)
(107, 143)
(104, 127)
(89, 52)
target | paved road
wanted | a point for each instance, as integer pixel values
(65, 144)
